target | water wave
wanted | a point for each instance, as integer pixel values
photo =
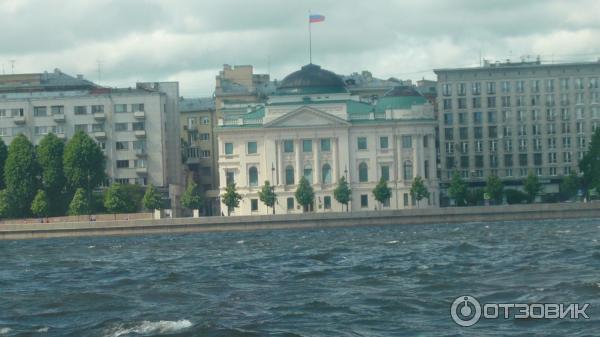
(149, 327)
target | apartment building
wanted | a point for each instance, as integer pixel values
(508, 119)
(137, 128)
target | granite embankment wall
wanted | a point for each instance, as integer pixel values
(245, 223)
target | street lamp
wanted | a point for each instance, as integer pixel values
(346, 172)
(273, 183)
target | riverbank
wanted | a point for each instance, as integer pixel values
(267, 222)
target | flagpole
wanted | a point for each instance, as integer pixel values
(309, 39)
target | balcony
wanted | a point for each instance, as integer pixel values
(139, 114)
(140, 133)
(141, 171)
(19, 119)
(99, 116)
(100, 134)
(61, 136)
(141, 153)
(59, 117)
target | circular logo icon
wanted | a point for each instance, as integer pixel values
(465, 310)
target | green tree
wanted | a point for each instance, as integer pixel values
(532, 187)
(116, 200)
(474, 197)
(515, 196)
(192, 197)
(231, 198)
(494, 188)
(382, 192)
(135, 195)
(590, 164)
(20, 176)
(83, 163)
(569, 186)
(4, 211)
(152, 198)
(39, 205)
(342, 192)
(49, 155)
(305, 194)
(3, 155)
(267, 195)
(458, 189)
(79, 205)
(418, 190)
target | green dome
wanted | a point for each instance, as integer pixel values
(311, 79)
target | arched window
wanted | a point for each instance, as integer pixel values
(408, 170)
(308, 173)
(253, 176)
(289, 175)
(326, 174)
(363, 173)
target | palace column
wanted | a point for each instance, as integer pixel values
(280, 169)
(298, 170)
(316, 163)
(335, 160)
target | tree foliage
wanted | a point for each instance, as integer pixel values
(4, 210)
(590, 163)
(494, 188)
(569, 186)
(342, 192)
(231, 198)
(116, 199)
(192, 198)
(83, 162)
(49, 155)
(474, 197)
(304, 194)
(418, 190)
(39, 205)
(79, 205)
(515, 196)
(20, 175)
(382, 192)
(458, 189)
(267, 195)
(152, 198)
(3, 155)
(532, 187)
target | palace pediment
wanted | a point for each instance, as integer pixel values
(306, 117)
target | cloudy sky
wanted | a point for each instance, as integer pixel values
(189, 40)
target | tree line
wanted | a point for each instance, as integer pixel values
(57, 178)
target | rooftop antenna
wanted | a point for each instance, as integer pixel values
(12, 65)
(99, 62)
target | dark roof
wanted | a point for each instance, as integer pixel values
(47, 81)
(402, 91)
(196, 104)
(311, 79)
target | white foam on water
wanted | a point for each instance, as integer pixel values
(392, 242)
(44, 329)
(486, 226)
(148, 327)
(4, 331)
(240, 242)
(564, 232)
(423, 267)
(90, 247)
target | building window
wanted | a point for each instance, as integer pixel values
(122, 181)
(361, 143)
(253, 176)
(229, 177)
(290, 204)
(252, 147)
(137, 107)
(228, 148)
(139, 163)
(205, 120)
(288, 146)
(80, 110)
(477, 117)
(138, 126)
(426, 168)
(57, 109)
(327, 202)
(122, 163)
(385, 172)
(139, 145)
(408, 170)
(121, 127)
(405, 199)
(289, 175)
(98, 127)
(97, 108)
(307, 145)
(448, 118)
(325, 145)
(308, 174)
(254, 205)
(363, 173)
(204, 136)
(40, 111)
(122, 146)
(119, 108)
(364, 200)
(406, 142)
(326, 174)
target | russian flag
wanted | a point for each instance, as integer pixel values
(312, 18)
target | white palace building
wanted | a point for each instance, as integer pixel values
(313, 127)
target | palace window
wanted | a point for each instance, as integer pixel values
(408, 170)
(363, 173)
(326, 174)
(253, 176)
(289, 175)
